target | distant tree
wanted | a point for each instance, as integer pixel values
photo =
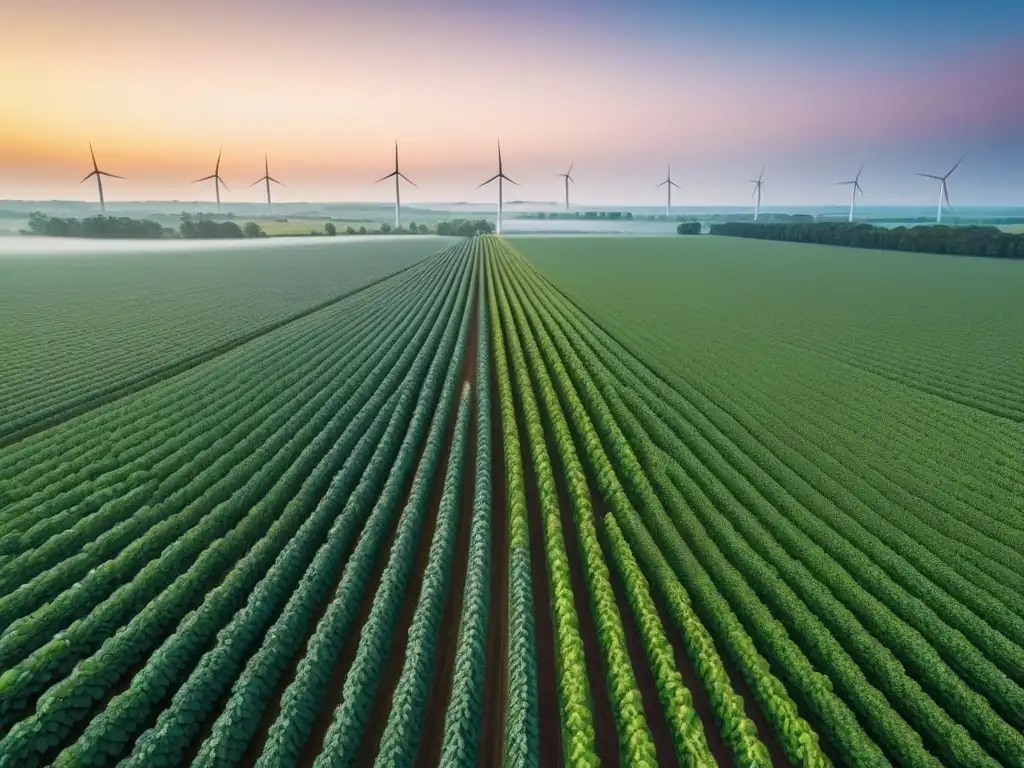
(989, 242)
(192, 227)
(330, 229)
(362, 230)
(120, 227)
(413, 229)
(252, 229)
(385, 228)
(689, 228)
(424, 229)
(464, 228)
(350, 230)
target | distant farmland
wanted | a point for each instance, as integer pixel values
(543, 501)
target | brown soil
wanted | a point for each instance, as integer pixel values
(653, 711)
(548, 714)
(492, 730)
(429, 752)
(605, 731)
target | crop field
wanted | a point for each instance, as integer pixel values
(548, 501)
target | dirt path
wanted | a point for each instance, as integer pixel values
(548, 715)
(447, 642)
(656, 721)
(605, 731)
(492, 731)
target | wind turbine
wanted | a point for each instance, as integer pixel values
(669, 183)
(568, 177)
(99, 179)
(757, 191)
(499, 177)
(398, 194)
(943, 189)
(856, 189)
(217, 180)
(266, 178)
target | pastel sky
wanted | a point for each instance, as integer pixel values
(809, 88)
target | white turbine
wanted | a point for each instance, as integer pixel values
(499, 177)
(943, 188)
(669, 184)
(218, 182)
(398, 176)
(267, 178)
(99, 179)
(568, 177)
(856, 189)
(757, 192)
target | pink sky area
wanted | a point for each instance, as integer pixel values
(157, 88)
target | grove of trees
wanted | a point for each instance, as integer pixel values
(95, 226)
(689, 228)
(989, 242)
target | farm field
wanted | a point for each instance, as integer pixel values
(525, 502)
(81, 327)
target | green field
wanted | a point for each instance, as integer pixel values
(82, 325)
(518, 503)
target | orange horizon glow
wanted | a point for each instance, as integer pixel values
(158, 89)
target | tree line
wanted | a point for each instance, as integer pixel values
(989, 242)
(194, 227)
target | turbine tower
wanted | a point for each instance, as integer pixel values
(668, 183)
(856, 189)
(398, 193)
(943, 188)
(217, 180)
(267, 178)
(568, 177)
(499, 177)
(757, 191)
(99, 179)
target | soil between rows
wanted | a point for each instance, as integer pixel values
(429, 752)
(548, 715)
(495, 692)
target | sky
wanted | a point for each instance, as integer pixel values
(809, 90)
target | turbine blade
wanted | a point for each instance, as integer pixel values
(484, 184)
(955, 166)
(221, 182)
(506, 178)
(945, 193)
(205, 178)
(675, 185)
(662, 184)
(271, 178)
(759, 178)
(410, 181)
(216, 169)
(88, 177)
(111, 175)
(929, 176)
(570, 178)
(257, 182)
(385, 178)
(859, 172)
(93, 155)
(571, 165)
